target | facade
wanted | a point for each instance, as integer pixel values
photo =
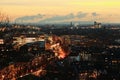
(27, 38)
(97, 25)
(1, 41)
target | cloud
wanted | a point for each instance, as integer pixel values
(65, 17)
(81, 15)
(55, 18)
(29, 18)
(59, 18)
(95, 14)
(43, 18)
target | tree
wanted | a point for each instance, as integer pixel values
(4, 19)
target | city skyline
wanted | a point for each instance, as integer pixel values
(103, 11)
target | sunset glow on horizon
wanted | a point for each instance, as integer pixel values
(18, 8)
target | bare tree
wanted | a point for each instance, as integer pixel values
(4, 19)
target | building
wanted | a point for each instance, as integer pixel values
(1, 41)
(22, 39)
(97, 25)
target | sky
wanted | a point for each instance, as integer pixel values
(108, 10)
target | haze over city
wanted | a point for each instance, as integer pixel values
(61, 10)
(50, 39)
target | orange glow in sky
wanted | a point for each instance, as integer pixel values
(17, 8)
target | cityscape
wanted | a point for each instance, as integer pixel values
(48, 52)
(60, 43)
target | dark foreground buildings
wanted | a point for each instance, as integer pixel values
(94, 53)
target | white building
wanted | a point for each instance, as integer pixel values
(28, 38)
